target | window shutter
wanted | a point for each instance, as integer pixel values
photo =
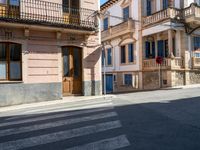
(153, 50)
(147, 51)
(160, 48)
(148, 7)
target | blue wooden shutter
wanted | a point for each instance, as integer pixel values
(153, 50)
(105, 24)
(160, 48)
(147, 50)
(130, 53)
(109, 56)
(148, 7)
(165, 4)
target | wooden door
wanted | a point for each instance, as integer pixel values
(72, 71)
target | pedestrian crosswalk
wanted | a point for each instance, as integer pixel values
(55, 129)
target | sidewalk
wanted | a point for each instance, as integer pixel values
(69, 99)
(184, 86)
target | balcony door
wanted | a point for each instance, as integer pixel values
(71, 11)
(72, 71)
(10, 8)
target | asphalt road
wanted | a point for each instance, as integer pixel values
(154, 120)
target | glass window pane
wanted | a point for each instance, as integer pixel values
(130, 53)
(123, 54)
(105, 23)
(14, 2)
(2, 70)
(77, 62)
(126, 13)
(2, 51)
(148, 7)
(15, 52)
(196, 43)
(66, 66)
(165, 4)
(109, 56)
(15, 70)
(74, 3)
(66, 5)
(128, 79)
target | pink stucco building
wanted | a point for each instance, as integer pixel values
(48, 49)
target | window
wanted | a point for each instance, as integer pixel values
(166, 48)
(114, 78)
(126, 13)
(109, 56)
(130, 53)
(103, 57)
(127, 54)
(174, 47)
(128, 79)
(197, 55)
(105, 23)
(165, 4)
(14, 2)
(123, 54)
(10, 61)
(67, 4)
(163, 48)
(196, 43)
(198, 2)
(10, 2)
(148, 7)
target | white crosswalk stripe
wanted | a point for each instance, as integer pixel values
(97, 118)
(51, 117)
(72, 106)
(57, 136)
(55, 124)
(106, 144)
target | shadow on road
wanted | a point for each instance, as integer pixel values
(173, 125)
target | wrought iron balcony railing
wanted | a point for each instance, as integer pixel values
(48, 13)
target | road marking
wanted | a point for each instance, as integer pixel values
(56, 124)
(70, 106)
(105, 144)
(65, 114)
(58, 136)
(72, 109)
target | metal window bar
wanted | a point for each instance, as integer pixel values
(48, 13)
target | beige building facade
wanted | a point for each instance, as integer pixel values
(48, 49)
(166, 29)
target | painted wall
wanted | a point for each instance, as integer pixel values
(115, 44)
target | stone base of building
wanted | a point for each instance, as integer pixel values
(119, 86)
(169, 78)
(20, 93)
(91, 88)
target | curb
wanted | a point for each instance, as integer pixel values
(69, 99)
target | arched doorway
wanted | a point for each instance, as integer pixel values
(72, 70)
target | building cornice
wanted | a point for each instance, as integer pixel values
(108, 4)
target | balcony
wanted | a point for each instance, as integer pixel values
(118, 30)
(196, 59)
(163, 15)
(192, 14)
(168, 63)
(48, 14)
